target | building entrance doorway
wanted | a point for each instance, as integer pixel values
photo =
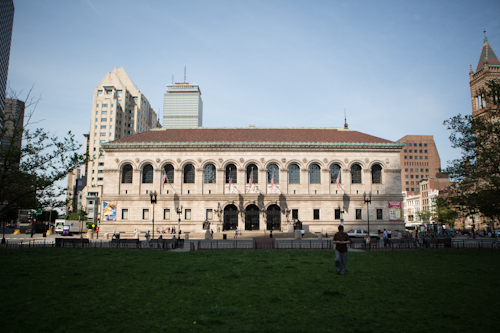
(273, 218)
(230, 218)
(252, 218)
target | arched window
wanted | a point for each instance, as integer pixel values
(293, 174)
(376, 174)
(189, 174)
(314, 174)
(209, 174)
(273, 171)
(168, 172)
(231, 172)
(335, 172)
(252, 171)
(147, 174)
(356, 174)
(127, 174)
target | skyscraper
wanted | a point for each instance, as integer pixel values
(6, 23)
(119, 109)
(419, 160)
(182, 106)
(13, 122)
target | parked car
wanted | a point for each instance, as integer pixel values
(466, 232)
(361, 233)
(12, 225)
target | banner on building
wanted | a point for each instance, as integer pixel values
(395, 211)
(109, 211)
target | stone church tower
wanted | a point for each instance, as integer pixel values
(488, 68)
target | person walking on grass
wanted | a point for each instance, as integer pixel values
(341, 239)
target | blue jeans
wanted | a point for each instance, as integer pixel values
(340, 261)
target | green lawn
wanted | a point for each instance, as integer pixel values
(110, 290)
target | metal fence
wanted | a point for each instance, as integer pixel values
(245, 244)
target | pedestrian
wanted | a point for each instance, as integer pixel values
(302, 232)
(212, 233)
(385, 238)
(341, 239)
(367, 240)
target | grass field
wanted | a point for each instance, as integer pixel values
(110, 290)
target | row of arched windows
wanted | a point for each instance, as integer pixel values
(273, 174)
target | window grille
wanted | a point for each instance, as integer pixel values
(356, 174)
(127, 174)
(231, 168)
(294, 174)
(273, 169)
(169, 172)
(314, 174)
(210, 174)
(334, 172)
(147, 174)
(376, 174)
(189, 174)
(255, 173)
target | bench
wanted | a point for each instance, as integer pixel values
(125, 243)
(71, 242)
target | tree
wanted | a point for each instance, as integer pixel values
(32, 161)
(477, 172)
(443, 213)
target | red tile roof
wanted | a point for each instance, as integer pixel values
(251, 134)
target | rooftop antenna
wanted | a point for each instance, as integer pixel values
(172, 78)
(184, 71)
(345, 120)
(484, 32)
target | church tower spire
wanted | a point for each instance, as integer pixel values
(488, 68)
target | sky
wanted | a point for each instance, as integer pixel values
(397, 67)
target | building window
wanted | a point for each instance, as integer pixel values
(314, 174)
(335, 172)
(210, 214)
(147, 174)
(411, 157)
(337, 214)
(316, 214)
(99, 179)
(127, 174)
(166, 214)
(379, 214)
(99, 93)
(103, 134)
(409, 144)
(169, 174)
(358, 214)
(425, 144)
(104, 112)
(407, 188)
(101, 163)
(145, 214)
(231, 173)
(407, 183)
(104, 119)
(99, 171)
(252, 171)
(293, 174)
(103, 126)
(187, 214)
(425, 157)
(124, 214)
(376, 174)
(406, 157)
(295, 214)
(356, 174)
(405, 150)
(118, 93)
(273, 172)
(209, 174)
(189, 174)
(406, 170)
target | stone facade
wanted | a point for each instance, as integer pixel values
(293, 180)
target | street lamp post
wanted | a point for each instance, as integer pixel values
(179, 212)
(152, 195)
(367, 202)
